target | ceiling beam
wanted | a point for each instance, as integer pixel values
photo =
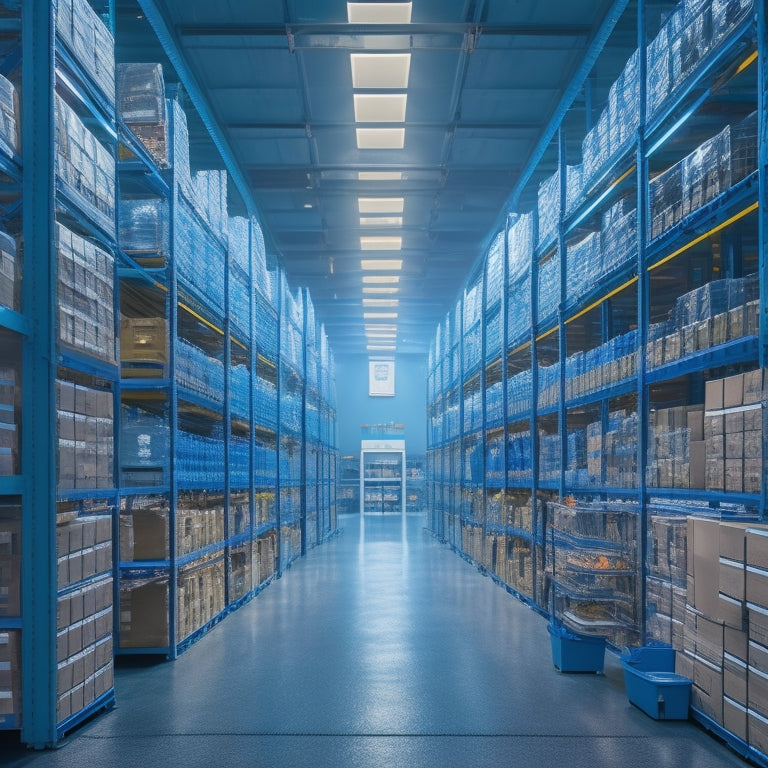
(340, 31)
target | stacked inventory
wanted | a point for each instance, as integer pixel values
(631, 337)
(291, 423)
(57, 280)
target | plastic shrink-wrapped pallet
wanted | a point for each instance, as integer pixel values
(143, 108)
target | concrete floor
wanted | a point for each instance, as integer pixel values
(380, 648)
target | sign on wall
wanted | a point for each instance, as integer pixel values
(381, 378)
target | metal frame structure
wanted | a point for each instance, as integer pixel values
(627, 173)
(47, 67)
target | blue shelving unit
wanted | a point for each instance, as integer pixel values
(670, 306)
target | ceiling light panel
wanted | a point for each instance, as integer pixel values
(377, 335)
(380, 107)
(381, 265)
(379, 13)
(380, 279)
(371, 243)
(380, 348)
(379, 315)
(379, 175)
(380, 204)
(383, 303)
(380, 70)
(381, 221)
(380, 290)
(380, 138)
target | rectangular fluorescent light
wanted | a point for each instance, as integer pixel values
(380, 302)
(381, 221)
(379, 13)
(380, 289)
(381, 265)
(379, 279)
(380, 204)
(379, 315)
(381, 243)
(376, 335)
(380, 327)
(380, 107)
(380, 138)
(380, 175)
(381, 348)
(380, 70)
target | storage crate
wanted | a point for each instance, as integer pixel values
(572, 652)
(652, 684)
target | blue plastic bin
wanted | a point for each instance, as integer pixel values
(576, 653)
(653, 686)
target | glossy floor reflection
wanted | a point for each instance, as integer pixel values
(380, 648)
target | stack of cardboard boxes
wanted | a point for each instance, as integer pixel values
(9, 434)
(725, 646)
(10, 678)
(85, 420)
(200, 596)
(676, 448)
(9, 278)
(84, 613)
(733, 431)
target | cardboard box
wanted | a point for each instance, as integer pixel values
(735, 679)
(707, 688)
(757, 586)
(757, 547)
(757, 690)
(704, 544)
(144, 615)
(695, 423)
(733, 391)
(758, 624)
(733, 612)
(736, 643)
(757, 731)
(709, 640)
(150, 535)
(732, 575)
(758, 656)
(713, 395)
(735, 717)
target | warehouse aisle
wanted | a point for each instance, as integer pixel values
(381, 648)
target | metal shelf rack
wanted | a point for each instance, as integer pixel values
(718, 235)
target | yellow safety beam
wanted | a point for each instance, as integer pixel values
(547, 333)
(201, 318)
(523, 346)
(701, 238)
(749, 60)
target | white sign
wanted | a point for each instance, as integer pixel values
(381, 378)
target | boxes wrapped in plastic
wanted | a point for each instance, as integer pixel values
(9, 273)
(706, 171)
(519, 394)
(144, 229)
(549, 287)
(9, 113)
(85, 296)
(549, 207)
(726, 14)
(90, 41)
(574, 185)
(84, 166)
(143, 107)
(744, 148)
(141, 93)
(583, 264)
(665, 193)
(494, 271)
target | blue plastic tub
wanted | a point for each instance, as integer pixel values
(576, 653)
(653, 686)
